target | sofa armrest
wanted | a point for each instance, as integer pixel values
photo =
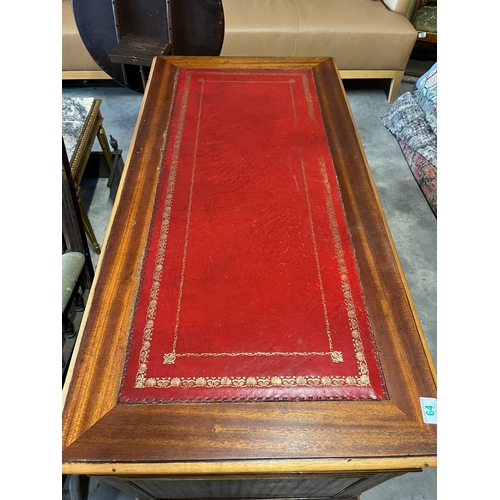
(398, 6)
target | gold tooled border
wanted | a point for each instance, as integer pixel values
(142, 381)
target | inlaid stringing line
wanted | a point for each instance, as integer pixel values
(311, 223)
(169, 358)
(307, 90)
(186, 238)
(250, 81)
(248, 354)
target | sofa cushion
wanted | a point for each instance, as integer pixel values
(427, 85)
(72, 265)
(407, 121)
(358, 34)
(426, 19)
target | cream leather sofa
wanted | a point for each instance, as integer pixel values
(367, 38)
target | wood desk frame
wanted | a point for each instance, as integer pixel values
(140, 444)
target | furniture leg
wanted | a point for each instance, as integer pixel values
(103, 141)
(88, 227)
(143, 76)
(395, 83)
(79, 303)
(79, 487)
(68, 328)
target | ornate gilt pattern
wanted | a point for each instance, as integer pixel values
(216, 382)
(169, 358)
(142, 381)
(344, 275)
(147, 333)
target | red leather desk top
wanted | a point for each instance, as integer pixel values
(249, 286)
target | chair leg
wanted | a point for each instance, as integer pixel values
(78, 487)
(68, 328)
(79, 303)
(103, 141)
(88, 227)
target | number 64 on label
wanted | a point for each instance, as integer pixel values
(429, 410)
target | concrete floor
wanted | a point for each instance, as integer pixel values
(411, 221)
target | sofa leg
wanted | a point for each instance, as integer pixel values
(395, 83)
(394, 76)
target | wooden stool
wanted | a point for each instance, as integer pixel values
(81, 124)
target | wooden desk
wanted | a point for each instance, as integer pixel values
(292, 448)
